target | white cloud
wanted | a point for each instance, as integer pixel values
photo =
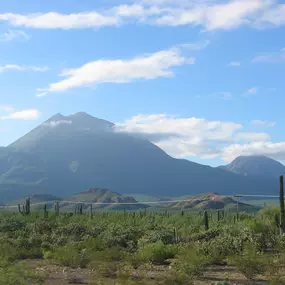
(263, 123)
(216, 16)
(149, 66)
(54, 124)
(211, 15)
(6, 108)
(252, 137)
(271, 149)
(270, 57)
(235, 63)
(23, 68)
(30, 114)
(12, 35)
(60, 21)
(195, 46)
(251, 91)
(274, 16)
(182, 137)
(186, 137)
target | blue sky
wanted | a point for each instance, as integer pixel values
(205, 78)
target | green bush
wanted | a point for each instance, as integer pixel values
(69, 255)
(157, 252)
(250, 263)
(18, 274)
(218, 249)
(190, 262)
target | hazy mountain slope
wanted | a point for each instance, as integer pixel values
(256, 165)
(36, 198)
(72, 153)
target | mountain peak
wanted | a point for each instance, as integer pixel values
(81, 120)
(56, 117)
(82, 115)
(256, 165)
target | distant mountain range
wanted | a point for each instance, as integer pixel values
(67, 154)
(109, 200)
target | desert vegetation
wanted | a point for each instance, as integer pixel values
(140, 247)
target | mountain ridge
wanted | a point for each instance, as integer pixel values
(66, 154)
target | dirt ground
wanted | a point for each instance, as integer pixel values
(60, 275)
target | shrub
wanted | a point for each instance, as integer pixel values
(69, 255)
(11, 274)
(164, 235)
(250, 263)
(219, 248)
(157, 252)
(190, 263)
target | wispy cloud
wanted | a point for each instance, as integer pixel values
(195, 46)
(251, 91)
(273, 16)
(210, 15)
(54, 124)
(23, 68)
(148, 66)
(270, 57)
(30, 114)
(222, 95)
(253, 136)
(235, 63)
(14, 34)
(263, 123)
(60, 21)
(6, 108)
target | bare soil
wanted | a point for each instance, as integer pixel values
(60, 275)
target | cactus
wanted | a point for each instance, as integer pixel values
(218, 212)
(91, 211)
(182, 213)
(45, 211)
(56, 208)
(206, 220)
(175, 235)
(277, 220)
(26, 209)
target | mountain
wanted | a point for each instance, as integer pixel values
(212, 201)
(97, 195)
(67, 154)
(256, 166)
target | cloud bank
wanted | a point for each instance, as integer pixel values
(199, 137)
